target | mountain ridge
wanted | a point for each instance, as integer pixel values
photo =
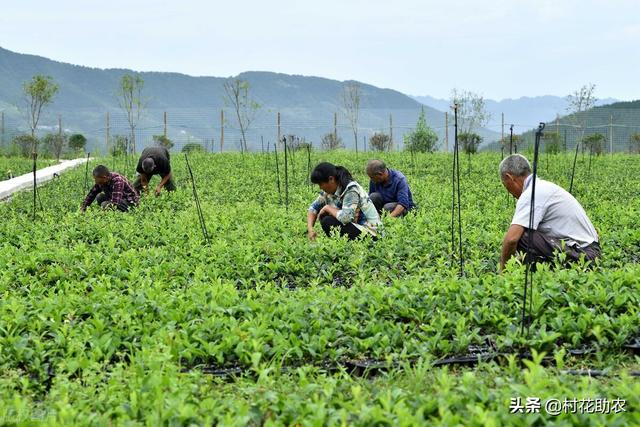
(307, 104)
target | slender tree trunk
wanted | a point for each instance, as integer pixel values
(243, 142)
(355, 137)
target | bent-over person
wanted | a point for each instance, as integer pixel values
(560, 224)
(154, 161)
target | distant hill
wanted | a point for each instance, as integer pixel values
(84, 87)
(617, 122)
(307, 105)
(524, 112)
(635, 105)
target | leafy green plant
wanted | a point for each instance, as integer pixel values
(192, 146)
(423, 139)
(100, 322)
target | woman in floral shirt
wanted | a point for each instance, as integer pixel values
(342, 204)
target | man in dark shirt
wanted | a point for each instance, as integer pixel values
(388, 189)
(154, 161)
(111, 190)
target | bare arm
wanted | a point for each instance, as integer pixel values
(403, 199)
(95, 190)
(144, 180)
(397, 211)
(329, 210)
(311, 220)
(510, 243)
(164, 180)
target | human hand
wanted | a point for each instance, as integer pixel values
(312, 235)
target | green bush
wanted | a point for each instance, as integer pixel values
(470, 142)
(163, 141)
(380, 141)
(423, 139)
(552, 143)
(192, 146)
(77, 142)
(595, 143)
(26, 144)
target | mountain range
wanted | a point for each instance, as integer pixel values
(193, 105)
(87, 103)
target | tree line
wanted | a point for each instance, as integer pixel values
(472, 115)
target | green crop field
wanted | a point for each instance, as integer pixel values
(124, 319)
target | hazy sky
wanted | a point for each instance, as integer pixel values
(499, 48)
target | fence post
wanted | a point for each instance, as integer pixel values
(106, 136)
(221, 130)
(390, 133)
(446, 131)
(165, 124)
(278, 123)
(611, 134)
(502, 141)
(2, 128)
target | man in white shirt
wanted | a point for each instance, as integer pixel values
(559, 222)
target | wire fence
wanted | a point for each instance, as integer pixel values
(616, 129)
(217, 130)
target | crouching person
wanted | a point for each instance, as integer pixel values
(560, 224)
(342, 205)
(111, 191)
(389, 190)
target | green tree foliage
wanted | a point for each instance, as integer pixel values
(119, 147)
(470, 142)
(507, 141)
(26, 144)
(595, 143)
(331, 142)
(303, 146)
(423, 139)
(38, 92)
(552, 143)
(77, 142)
(163, 141)
(380, 141)
(55, 143)
(192, 146)
(295, 143)
(634, 143)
